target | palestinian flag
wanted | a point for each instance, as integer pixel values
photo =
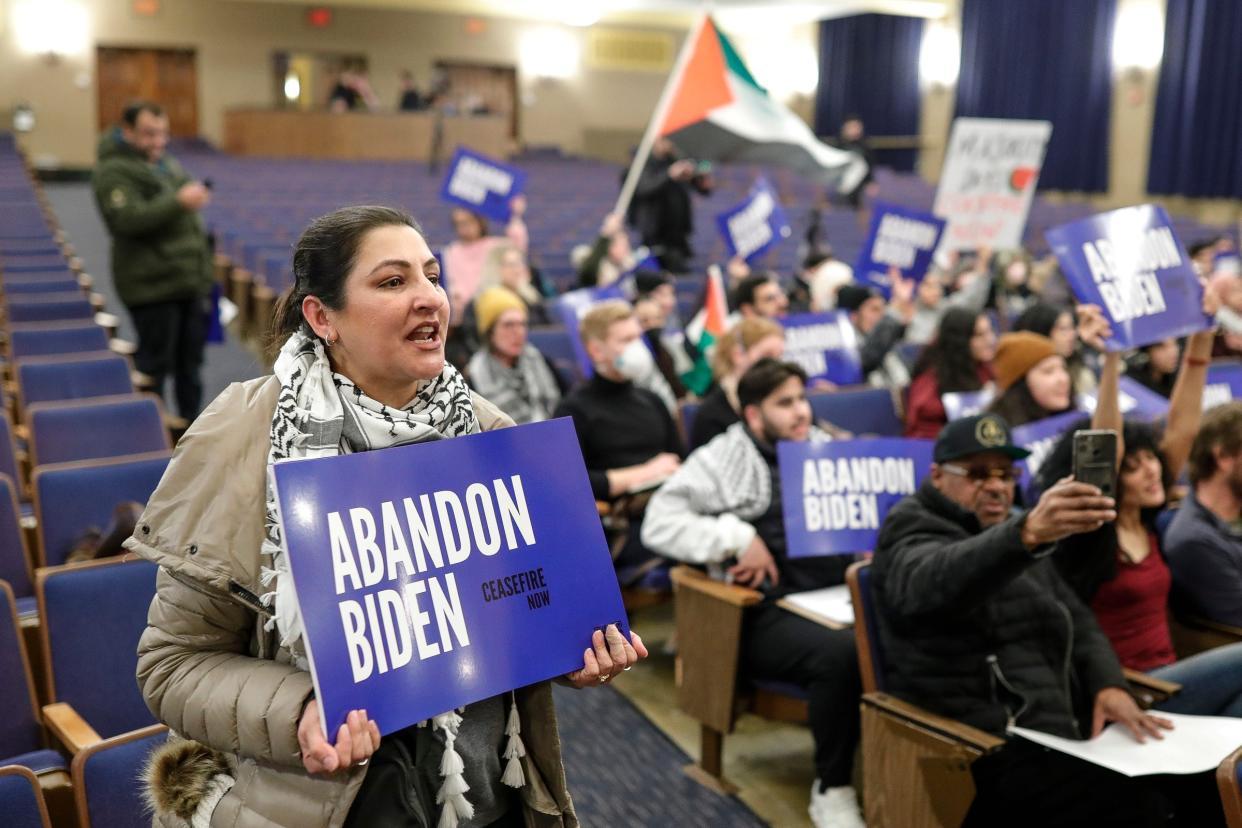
(705, 330)
(714, 109)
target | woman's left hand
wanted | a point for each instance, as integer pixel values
(609, 655)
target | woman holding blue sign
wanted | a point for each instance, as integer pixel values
(223, 661)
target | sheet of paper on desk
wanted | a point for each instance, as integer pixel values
(829, 606)
(1196, 744)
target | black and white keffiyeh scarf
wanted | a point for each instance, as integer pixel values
(320, 413)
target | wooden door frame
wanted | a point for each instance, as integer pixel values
(146, 47)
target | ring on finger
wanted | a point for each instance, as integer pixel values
(604, 679)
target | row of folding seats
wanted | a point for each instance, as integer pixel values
(76, 439)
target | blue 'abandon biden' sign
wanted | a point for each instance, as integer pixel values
(434, 575)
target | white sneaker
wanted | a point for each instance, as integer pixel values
(835, 808)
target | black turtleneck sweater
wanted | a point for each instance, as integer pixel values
(618, 425)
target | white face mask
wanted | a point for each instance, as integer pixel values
(635, 362)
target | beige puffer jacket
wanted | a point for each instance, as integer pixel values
(208, 669)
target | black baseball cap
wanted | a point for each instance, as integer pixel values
(974, 435)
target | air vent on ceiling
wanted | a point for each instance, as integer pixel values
(629, 49)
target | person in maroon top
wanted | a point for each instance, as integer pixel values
(1120, 569)
(958, 359)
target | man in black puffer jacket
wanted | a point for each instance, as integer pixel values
(978, 626)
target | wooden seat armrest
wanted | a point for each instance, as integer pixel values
(1150, 689)
(1214, 626)
(603, 507)
(122, 346)
(685, 577)
(70, 729)
(970, 736)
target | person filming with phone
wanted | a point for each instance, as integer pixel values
(1120, 570)
(977, 625)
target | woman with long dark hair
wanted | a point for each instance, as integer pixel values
(958, 359)
(1119, 570)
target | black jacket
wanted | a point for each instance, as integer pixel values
(979, 629)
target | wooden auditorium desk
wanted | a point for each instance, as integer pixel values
(388, 136)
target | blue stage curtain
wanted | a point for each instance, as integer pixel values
(1045, 60)
(869, 66)
(1196, 138)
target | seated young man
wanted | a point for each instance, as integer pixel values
(977, 625)
(628, 438)
(1204, 541)
(723, 508)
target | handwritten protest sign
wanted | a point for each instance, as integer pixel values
(988, 181)
(1130, 264)
(481, 184)
(1224, 384)
(434, 575)
(754, 226)
(836, 494)
(572, 306)
(825, 345)
(899, 237)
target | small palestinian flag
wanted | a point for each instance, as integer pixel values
(714, 109)
(705, 330)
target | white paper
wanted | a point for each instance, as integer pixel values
(831, 604)
(1196, 744)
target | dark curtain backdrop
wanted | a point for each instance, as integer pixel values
(869, 66)
(1046, 60)
(1196, 140)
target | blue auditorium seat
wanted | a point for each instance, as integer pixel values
(866, 626)
(21, 799)
(90, 645)
(859, 409)
(8, 449)
(47, 307)
(14, 560)
(107, 777)
(32, 262)
(687, 411)
(70, 498)
(72, 377)
(56, 339)
(21, 736)
(555, 344)
(18, 288)
(92, 429)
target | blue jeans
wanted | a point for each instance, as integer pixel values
(1211, 683)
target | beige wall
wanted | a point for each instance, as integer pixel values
(235, 41)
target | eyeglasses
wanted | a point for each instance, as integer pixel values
(981, 474)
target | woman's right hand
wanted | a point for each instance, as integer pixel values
(356, 740)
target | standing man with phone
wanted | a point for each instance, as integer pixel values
(161, 264)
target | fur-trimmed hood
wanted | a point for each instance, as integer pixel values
(184, 782)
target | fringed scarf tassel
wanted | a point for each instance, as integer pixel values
(452, 793)
(514, 749)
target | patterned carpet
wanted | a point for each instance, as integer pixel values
(624, 773)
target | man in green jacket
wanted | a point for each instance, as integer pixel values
(161, 265)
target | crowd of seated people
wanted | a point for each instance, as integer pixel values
(999, 326)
